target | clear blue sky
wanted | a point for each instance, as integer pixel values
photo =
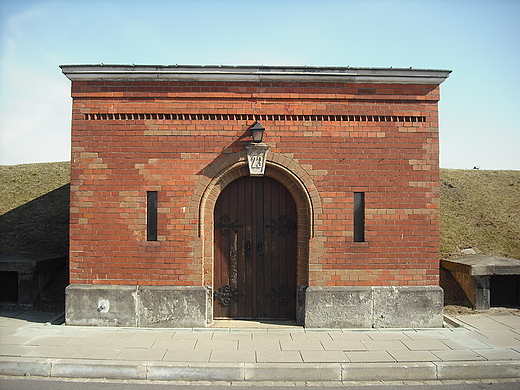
(478, 40)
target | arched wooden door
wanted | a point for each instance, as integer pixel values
(255, 250)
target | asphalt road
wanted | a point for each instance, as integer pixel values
(15, 383)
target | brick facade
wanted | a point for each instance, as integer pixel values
(181, 131)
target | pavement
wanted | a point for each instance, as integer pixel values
(478, 346)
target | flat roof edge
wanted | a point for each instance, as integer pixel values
(255, 73)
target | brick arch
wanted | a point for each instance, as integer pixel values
(283, 169)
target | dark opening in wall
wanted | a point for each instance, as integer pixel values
(359, 216)
(8, 286)
(151, 216)
(505, 290)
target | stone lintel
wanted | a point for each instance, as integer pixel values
(480, 265)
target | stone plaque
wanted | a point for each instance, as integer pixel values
(256, 157)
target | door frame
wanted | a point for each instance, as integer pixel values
(307, 204)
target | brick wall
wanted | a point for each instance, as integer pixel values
(133, 136)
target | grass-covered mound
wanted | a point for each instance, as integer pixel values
(480, 210)
(34, 208)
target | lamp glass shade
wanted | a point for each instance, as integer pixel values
(257, 132)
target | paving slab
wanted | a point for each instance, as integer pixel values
(414, 356)
(428, 335)
(51, 351)
(343, 345)
(501, 341)
(387, 335)
(278, 336)
(16, 350)
(187, 356)
(236, 336)
(425, 345)
(49, 341)
(324, 357)
(267, 345)
(216, 345)
(14, 340)
(116, 332)
(143, 342)
(200, 336)
(303, 345)
(142, 354)
(88, 342)
(384, 345)
(462, 344)
(311, 336)
(484, 347)
(101, 353)
(278, 357)
(499, 354)
(369, 356)
(458, 355)
(176, 345)
(349, 336)
(79, 331)
(243, 356)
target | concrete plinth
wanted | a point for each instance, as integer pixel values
(320, 307)
(374, 307)
(141, 306)
(475, 275)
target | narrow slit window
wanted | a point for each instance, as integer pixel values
(151, 216)
(359, 216)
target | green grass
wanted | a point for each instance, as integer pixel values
(34, 203)
(20, 184)
(479, 209)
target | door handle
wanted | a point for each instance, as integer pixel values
(248, 249)
(260, 248)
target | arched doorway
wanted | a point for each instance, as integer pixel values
(255, 250)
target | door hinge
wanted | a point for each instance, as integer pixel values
(225, 294)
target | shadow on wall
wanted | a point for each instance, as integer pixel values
(40, 226)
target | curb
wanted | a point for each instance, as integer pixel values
(102, 369)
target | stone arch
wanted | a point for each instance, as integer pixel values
(279, 167)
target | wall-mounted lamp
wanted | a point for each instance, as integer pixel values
(257, 131)
(256, 151)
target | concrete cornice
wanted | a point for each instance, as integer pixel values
(255, 73)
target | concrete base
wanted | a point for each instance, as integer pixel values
(474, 273)
(319, 307)
(140, 306)
(374, 307)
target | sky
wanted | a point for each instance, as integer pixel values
(478, 40)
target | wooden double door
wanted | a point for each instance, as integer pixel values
(255, 251)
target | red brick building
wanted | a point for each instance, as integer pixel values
(178, 218)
